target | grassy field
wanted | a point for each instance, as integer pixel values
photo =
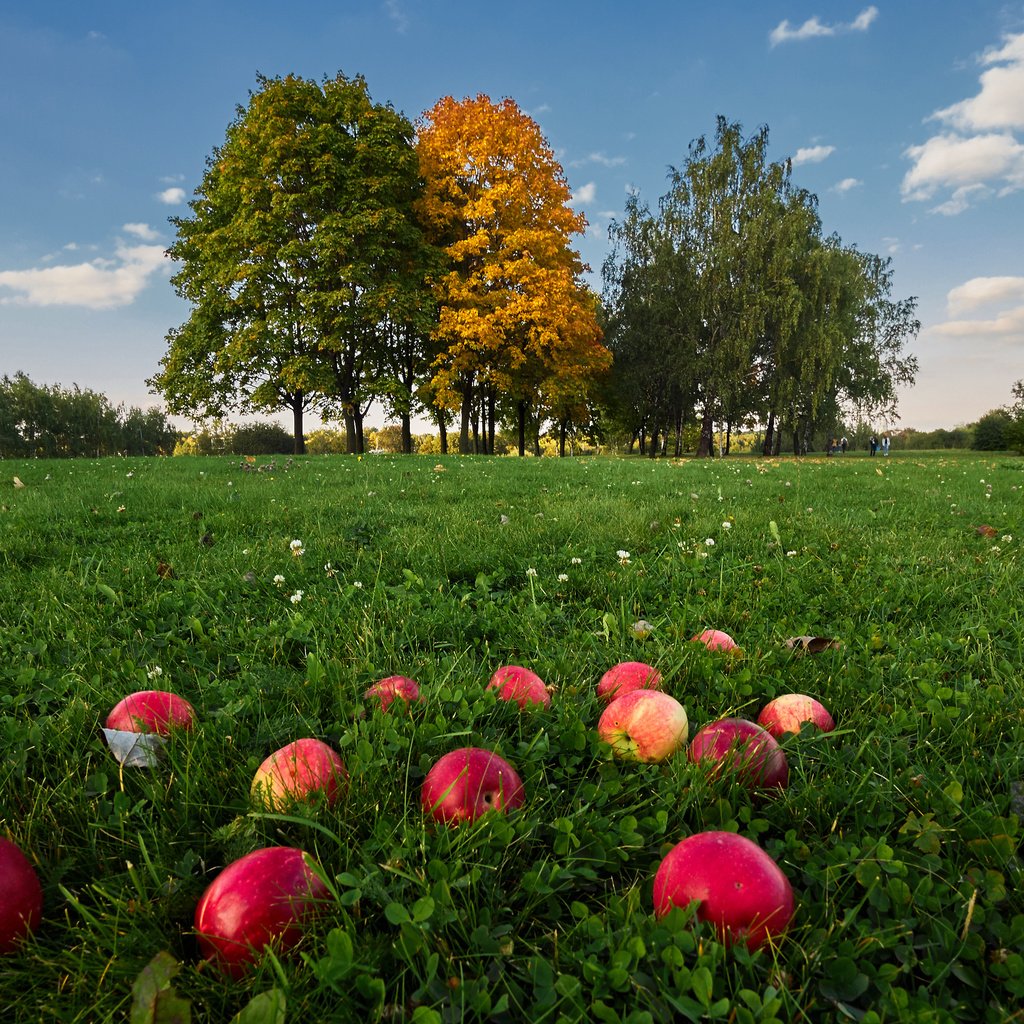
(900, 831)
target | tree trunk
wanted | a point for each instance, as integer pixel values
(562, 431)
(442, 431)
(360, 446)
(769, 434)
(728, 435)
(351, 445)
(705, 448)
(299, 445)
(521, 425)
(491, 400)
(406, 434)
(654, 443)
(679, 435)
(467, 403)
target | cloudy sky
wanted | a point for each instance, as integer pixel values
(905, 118)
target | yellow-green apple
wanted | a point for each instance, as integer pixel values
(515, 683)
(153, 711)
(715, 640)
(469, 782)
(625, 677)
(743, 893)
(644, 725)
(790, 710)
(303, 770)
(387, 690)
(21, 896)
(263, 899)
(743, 748)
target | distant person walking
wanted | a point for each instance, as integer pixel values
(885, 445)
(843, 445)
(873, 444)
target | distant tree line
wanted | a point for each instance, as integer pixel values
(337, 255)
(52, 421)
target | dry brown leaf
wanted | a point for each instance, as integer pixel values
(164, 571)
(986, 531)
(17, 483)
(813, 644)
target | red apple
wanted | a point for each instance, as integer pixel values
(513, 682)
(154, 711)
(742, 891)
(260, 900)
(21, 896)
(469, 782)
(386, 690)
(789, 711)
(625, 677)
(742, 747)
(644, 725)
(715, 640)
(301, 770)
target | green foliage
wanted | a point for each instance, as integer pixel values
(900, 832)
(261, 439)
(990, 432)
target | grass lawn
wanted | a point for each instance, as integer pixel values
(899, 832)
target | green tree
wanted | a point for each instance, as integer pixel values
(990, 432)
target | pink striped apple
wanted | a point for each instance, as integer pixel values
(21, 896)
(644, 725)
(790, 711)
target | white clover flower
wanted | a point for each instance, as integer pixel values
(130, 475)
(726, 525)
(563, 577)
(296, 597)
(245, 551)
(330, 570)
(790, 554)
(120, 508)
(531, 571)
(297, 549)
(622, 555)
(576, 561)
(504, 520)
(996, 549)
(641, 629)
(278, 580)
(358, 584)
(709, 542)
(788, 484)
(702, 554)
(155, 672)
(1006, 538)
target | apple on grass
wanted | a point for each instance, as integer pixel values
(716, 640)
(515, 683)
(21, 896)
(790, 711)
(155, 711)
(644, 725)
(302, 770)
(744, 748)
(467, 783)
(742, 891)
(625, 677)
(386, 691)
(263, 899)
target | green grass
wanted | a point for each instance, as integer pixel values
(900, 832)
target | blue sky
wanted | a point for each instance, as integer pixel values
(905, 119)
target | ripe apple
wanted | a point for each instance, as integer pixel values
(301, 770)
(644, 725)
(386, 690)
(260, 900)
(742, 747)
(742, 891)
(21, 896)
(469, 782)
(625, 677)
(715, 640)
(155, 711)
(513, 682)
(789, 711)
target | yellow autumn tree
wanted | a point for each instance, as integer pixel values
(515, 320)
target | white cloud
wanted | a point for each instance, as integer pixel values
(1008, 325)
(984, 291)
(397, 15)
(99, 284)
(585, 193)
(846, 185)
(978, 152)
(143, 231)
(812, 154)
(172, 196)
(953, 161)
(814, 28)
(599, 158)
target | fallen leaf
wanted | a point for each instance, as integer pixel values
(17, 483)
(134, 749)
(813, 644)
(164, 571)
(986, 531)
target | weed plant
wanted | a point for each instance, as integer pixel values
(900, 831)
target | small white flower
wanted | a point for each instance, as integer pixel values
(120, 508)
(245, 551)
(694, 495)
(130, 475)
(726, 525)
(504, 520)
(576, 561)
(531, 571)
(297, 549)
(231, 483)
(709, 542)
(330, 570)
(988, 495)
(622, 555)
(155, 672)
(1006, 538)
(702, 554)
(809, 509)
(641, 629)
(278, 580)
(563, 577)
(296, 597)
(788, 484)
(790, 554)
(358, 584)
(996, 549)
